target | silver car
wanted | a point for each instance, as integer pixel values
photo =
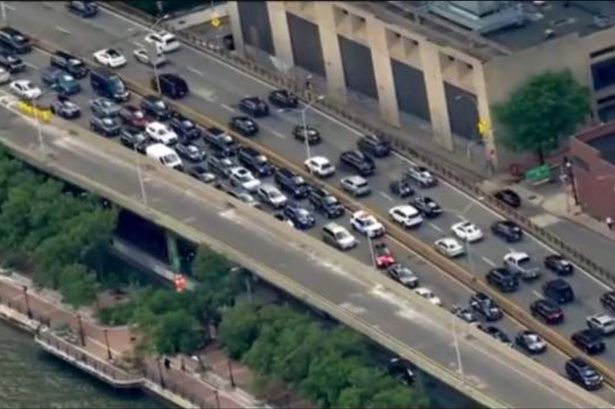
(143, 57)
(356, 186)
(103, 107)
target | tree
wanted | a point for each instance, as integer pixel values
(77, 285)
(239, 329)
(176, 332)
(543, 111)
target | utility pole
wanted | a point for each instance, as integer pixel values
(27, 299)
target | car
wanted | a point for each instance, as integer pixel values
(356, 186)
(219, 166)
(509, 197)
(15, 40)
(313, 136)
(325, 203)
(530, 342)
(155, 107)
(406, 215)
(496, 333)
(302, 218)
(401, 369)
(110, 57)
(145, 57)
(282, 98)
(184, 127)
(421, 176)
(200, 172)
(319, 166)
(449, 247)
(164, 41)
(426, 205)
(69, 63)
(608, 300)
(559, 291)
(244, 196)
(242, 177)
(160, 132)
(292, 183)
(403, 275)
(584, 374)
(60, 81)
(255, 161)
(245, 125)
(383, 257)
(508, 230)
(366, 224)
(65, 108)
(337, 236)
(134, 138)
(281, 217)
(588, 340)
(374, 145)
(104, 107)
(603, 323)
(271, 195)
(106, 126)
(520, 263)
(401, 188)
(171, 85)
(502, 279)
(109, 85)
(190, 152)
(132, 116)
(559, 265)
(467, 231)
(10, 62)
(485, 306)
(83, 9)
(25, 89)
(220, 141)
(428, 295)
(358, 162)
(464, 313)
(255, 106)
(549, 312)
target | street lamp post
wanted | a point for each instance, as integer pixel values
(106, 334)
(457, 350)
(3, 11)
(304, 122)
(27, 300)
(160, 372)
(153, 51)
(371, 250)
(81, 332)
(573, 184)
(230, 373)
(140, 175)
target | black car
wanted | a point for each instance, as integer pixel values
(155, 107)
(559, 265)
(190, 151)
(10, 62)
(427, 206)
(547, 311)
(401, 369)
(133, 116)
(134, 138)
(496, 333)
(301, 217)
(510, 197)
(84, 9)
(220, 166)
(69, 63)
(588, 340)
(508, 230)
(254, 106)
(292, 183)
(374, 145)
(483, 305)
(282, 98)
(401, 188)
(244, 125)
(107, 126)
(14, 40)
(255, 161)
(185, 128)
(358, 162)
(171, 85)
(530, 342)
(65, 108)
(221, 142)
(313, 136)
(584, 374)
(608, 300)
(325, 203)
(558, 290)
(201, 173)
(503, 280)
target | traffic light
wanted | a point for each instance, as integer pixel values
(180, 283)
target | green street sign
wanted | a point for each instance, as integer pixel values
(538, 173)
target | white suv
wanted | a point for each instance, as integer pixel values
(161, 133)
(166, 42)
(271, 195)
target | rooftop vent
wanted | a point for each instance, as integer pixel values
(479, 16)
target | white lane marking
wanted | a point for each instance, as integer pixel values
(228, 107)
(31, 65)
(460, 217)
(386, 196)
(488, 261)
(62, 30)
(537, 294)
(278, 134)
(435, 227)
(194, 70)
(205, 93)
(8, 6)
(138, 44)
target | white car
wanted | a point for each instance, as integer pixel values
(5, 76)
(467, 231)
(166, 42)
(110, 57)
(406, 215)
(366, 224)
(143, 56)
(449, 246)
(319, 166)
(242, 177)
(25, 89)
(427, 294)
(271, 195)
(603, 323)
(161, 133)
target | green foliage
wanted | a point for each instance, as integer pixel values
(543, 111)
(119, 314)
(77, 285)
(176, 332)
(239, 329)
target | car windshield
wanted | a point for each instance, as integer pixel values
(274, 194)
(75, 63)
(260, 159)
(160, 104)
(361, 184)
(168, 159)
(302, 213)
(67, 78)
(404, 273)
(330, 200)
(298, 180)
(523, 261)
(187, 124)
(138, 114)
(20, 39)
(108, 121)
(117, 85)
(244, 177)
(113, 53)
(368, 221)
(588, 372)
(192, 149)
(342, 234)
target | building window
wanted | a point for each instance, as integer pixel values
(602, 51)
(603, 73)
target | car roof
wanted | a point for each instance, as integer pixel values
(516, 255)
(406, 208)
(334, 227)
(321, 160)
(268, 187)
(602, 318)
(448, 241)
(355, 179)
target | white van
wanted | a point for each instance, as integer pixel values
(165, 155)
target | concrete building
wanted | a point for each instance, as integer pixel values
(441, 63)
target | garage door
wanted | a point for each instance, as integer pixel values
(358, 67)
(255, 28)
(305, 40)
(462, 112)
(410, 90)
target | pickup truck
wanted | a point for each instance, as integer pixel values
(520, 264)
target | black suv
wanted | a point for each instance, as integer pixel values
(244, 125)
(14, 40)
(220, 141)
(325, 203)
(359, 162)
(283, 99)
(171, 85)
(547, 311)
(482, 304)
(254, 106)
(255, 161)
(65, 108)
(155, 107)
(82, 8)
(184, 127)
(558, 290)
(588, 340)
(608, 300)
(510, 197)
(374, 145)
(508, 230)
(559, 265)
(503, 280)
(584, 374)
(427, 206)
(10, 62)
(292, 183)
(69, 63)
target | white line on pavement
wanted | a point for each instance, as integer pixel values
(537, 294)
(435, 227)
(228, 107)
(29, 64)
(277, 134)
(62, 30)
(194, 70)
(488, 261)
(8, 6)
(386, 196)
(138, 44)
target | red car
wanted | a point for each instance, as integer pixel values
(384, 256)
